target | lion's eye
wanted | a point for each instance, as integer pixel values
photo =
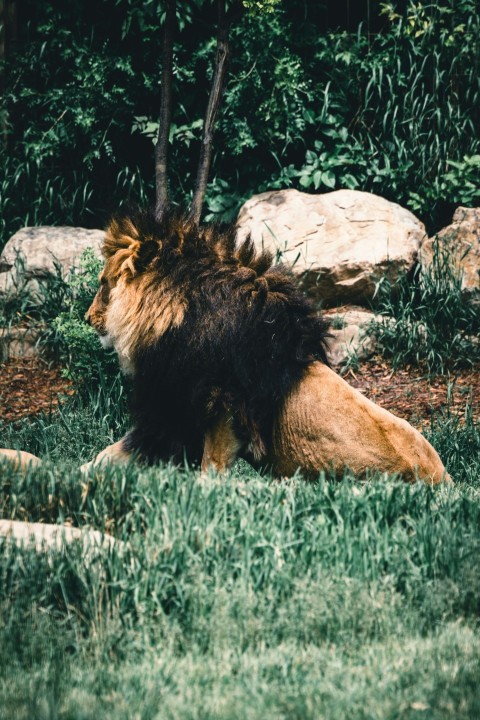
(105, 293)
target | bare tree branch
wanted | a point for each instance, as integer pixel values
(214, 100)
(161, 147)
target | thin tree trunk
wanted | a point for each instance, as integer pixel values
(161, 147)
(214, 100)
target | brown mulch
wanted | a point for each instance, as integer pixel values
(29, 386)
(408, 393)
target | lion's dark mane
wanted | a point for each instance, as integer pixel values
(247, 336)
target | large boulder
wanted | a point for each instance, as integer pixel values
(341, 243)
(460, 241)
(34, 253)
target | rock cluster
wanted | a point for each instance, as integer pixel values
(340, 245)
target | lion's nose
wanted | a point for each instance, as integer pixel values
(88, 318)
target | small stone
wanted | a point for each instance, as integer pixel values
(19, 342)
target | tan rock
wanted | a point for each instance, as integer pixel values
(19, 458)
(341, 243)
(461, 240)
(16, 342)
(43, 247)
(34, 253)
(44, 537)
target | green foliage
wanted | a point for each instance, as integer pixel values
(56, 308)
(395, 113)
(66, 106)
(429, 320)
(388, 114)
(34, 303)
(462, 181)
(75, 343)
(260, 6)
(331, 164)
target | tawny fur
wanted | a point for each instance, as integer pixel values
(137, 316)
(111, 454)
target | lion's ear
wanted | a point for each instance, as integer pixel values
(129, 250)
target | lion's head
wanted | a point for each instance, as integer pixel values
(135, 303)
(151, 272)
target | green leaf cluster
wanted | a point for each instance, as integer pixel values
(75, 343)
(429, 320)
(305, 106)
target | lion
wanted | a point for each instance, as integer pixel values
(229, 359)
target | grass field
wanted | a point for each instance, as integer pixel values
(241, 597)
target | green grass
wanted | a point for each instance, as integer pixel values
(240, 597)
(428, 319)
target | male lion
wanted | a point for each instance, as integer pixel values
(229, 359)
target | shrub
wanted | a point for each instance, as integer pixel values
(428, 320)
(74, 342)
(394, 113)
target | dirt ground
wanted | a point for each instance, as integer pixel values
(30, 386)
(411, 395)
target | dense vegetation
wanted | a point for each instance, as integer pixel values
(307, 105)
(426, 319)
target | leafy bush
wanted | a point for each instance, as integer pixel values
(73, 341)
(390, 114)
(428, 319)
(56, 308)
(305, 106)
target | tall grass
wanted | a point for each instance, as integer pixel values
(421, 99)
(30, 196)
(238, 596)
(79, 428)
(429, 320)
(33, 194)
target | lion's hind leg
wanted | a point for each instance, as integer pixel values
(115, 454)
